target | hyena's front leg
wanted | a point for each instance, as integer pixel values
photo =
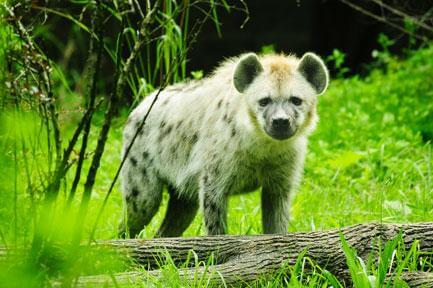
(277, 191)
(214, 204)
(275, 211)
(278, 188)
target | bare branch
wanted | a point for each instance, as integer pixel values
(94, 63)
(382, 19)
(402, 14)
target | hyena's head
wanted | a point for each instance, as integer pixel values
(281, 91)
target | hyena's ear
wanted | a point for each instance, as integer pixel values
(315, 71)
(247, 69)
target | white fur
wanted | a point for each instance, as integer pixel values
(245, 160)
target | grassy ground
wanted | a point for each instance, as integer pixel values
(369, 160)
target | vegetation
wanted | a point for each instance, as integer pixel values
(369, 160)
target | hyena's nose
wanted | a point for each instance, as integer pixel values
(280, 124)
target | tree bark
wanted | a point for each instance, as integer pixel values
(412, 279)
(418, 279)
(248, 258)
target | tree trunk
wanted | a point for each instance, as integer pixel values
(248, 258)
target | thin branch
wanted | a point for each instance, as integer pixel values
(382, 19)
(94, 63)
(112, 107)
(402, 14)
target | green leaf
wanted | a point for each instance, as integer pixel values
(197, 75)
(345, 160)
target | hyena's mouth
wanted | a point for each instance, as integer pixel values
(280, 128)
(280, 134)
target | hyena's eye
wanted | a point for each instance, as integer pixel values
(296, 100)
(264, 101)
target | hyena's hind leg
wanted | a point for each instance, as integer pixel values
(181, 211)
(142, 195)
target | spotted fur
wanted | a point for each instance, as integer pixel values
(209, 139)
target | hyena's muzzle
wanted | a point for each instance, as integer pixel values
(280, 121)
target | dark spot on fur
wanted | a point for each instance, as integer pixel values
(165, 102)
(135, 192)
(162, 125)
(194, 138)
(233, 131)
(134, 206)
(145, 154)
(144, 172)
(165, 132)
(173, 150)
(205, 179)
(183, 138)
(168, 130)
(133, 161)
(179, 124)
(227, 118)
(219, 103)
(213, 207)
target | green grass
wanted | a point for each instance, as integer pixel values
(369, 160)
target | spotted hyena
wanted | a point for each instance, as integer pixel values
(243, 127)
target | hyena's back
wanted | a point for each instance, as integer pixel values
(182, 120)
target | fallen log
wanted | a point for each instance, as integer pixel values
(248, 258)
(418, 279)
(412, 279)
